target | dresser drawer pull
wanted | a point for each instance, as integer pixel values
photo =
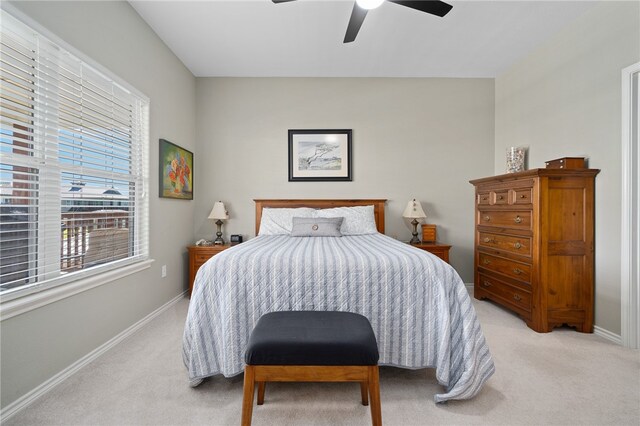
(517, 297)
(487, 218)
(486, 261)
(501, 197)
(518, 219)
(489, 240)
(518, 246)
(486, 284)
(517, 271)
(523, 196)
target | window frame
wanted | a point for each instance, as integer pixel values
(48, 291)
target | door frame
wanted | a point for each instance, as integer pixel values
(630, 225)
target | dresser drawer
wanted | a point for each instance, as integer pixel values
(510, 268)
(522, 196)
(507, 219)
(509, 293)
(501, 197)
(515, 245)
(484, 198)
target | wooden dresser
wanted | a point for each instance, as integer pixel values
(534, 249)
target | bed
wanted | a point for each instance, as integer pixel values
(417, 304)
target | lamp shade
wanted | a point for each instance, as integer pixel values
(219, 211)
(414, 210)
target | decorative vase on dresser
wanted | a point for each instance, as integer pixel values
(534, 245)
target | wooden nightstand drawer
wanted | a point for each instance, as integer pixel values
(517, 270)
(437, 249)
(198, 256)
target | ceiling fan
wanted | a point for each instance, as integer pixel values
(361, 7)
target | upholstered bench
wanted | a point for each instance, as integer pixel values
(312, 346)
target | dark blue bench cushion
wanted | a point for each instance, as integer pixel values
(312, 338)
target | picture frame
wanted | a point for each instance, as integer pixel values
(175, 165)
(320, 155)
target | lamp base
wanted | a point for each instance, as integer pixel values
(415, 239)
(219, 240)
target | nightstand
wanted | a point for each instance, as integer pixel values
(198, 255)
(440, 250)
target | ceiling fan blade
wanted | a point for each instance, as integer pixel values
(434, 7)
(281, 1)
(355, 22)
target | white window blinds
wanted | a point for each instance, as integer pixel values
(73, 147)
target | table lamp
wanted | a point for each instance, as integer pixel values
(219, 213)
(414, 211)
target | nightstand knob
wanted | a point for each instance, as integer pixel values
(518, 219)
(523, 196)
(487, 218)
(517, 245)
(517, 297)
(489, 240)
(486, 261)
(486, 284)
(517, 271)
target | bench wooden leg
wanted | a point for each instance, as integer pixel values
(374, 393)
(247, 398)
(364, 391)
(367, 376)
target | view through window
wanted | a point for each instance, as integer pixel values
(73, 155)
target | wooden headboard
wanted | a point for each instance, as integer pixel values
(378, 207)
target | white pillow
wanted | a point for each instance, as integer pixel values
(276, 221)
(358, 220)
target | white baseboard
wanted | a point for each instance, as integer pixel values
(30, 397)
(615, 338)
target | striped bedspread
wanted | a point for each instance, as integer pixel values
(418, 306)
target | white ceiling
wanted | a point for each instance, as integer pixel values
(257, 38)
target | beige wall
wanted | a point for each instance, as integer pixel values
(422, 138)
(565, 100)
(37, 345)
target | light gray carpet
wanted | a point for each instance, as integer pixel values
(563, 377)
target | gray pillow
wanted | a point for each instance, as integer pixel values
(316, 227)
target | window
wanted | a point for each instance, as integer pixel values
(73, 156)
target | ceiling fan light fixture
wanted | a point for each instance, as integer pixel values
(369, 4)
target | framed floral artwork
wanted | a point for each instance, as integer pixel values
(176, 171)
(320, 155)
